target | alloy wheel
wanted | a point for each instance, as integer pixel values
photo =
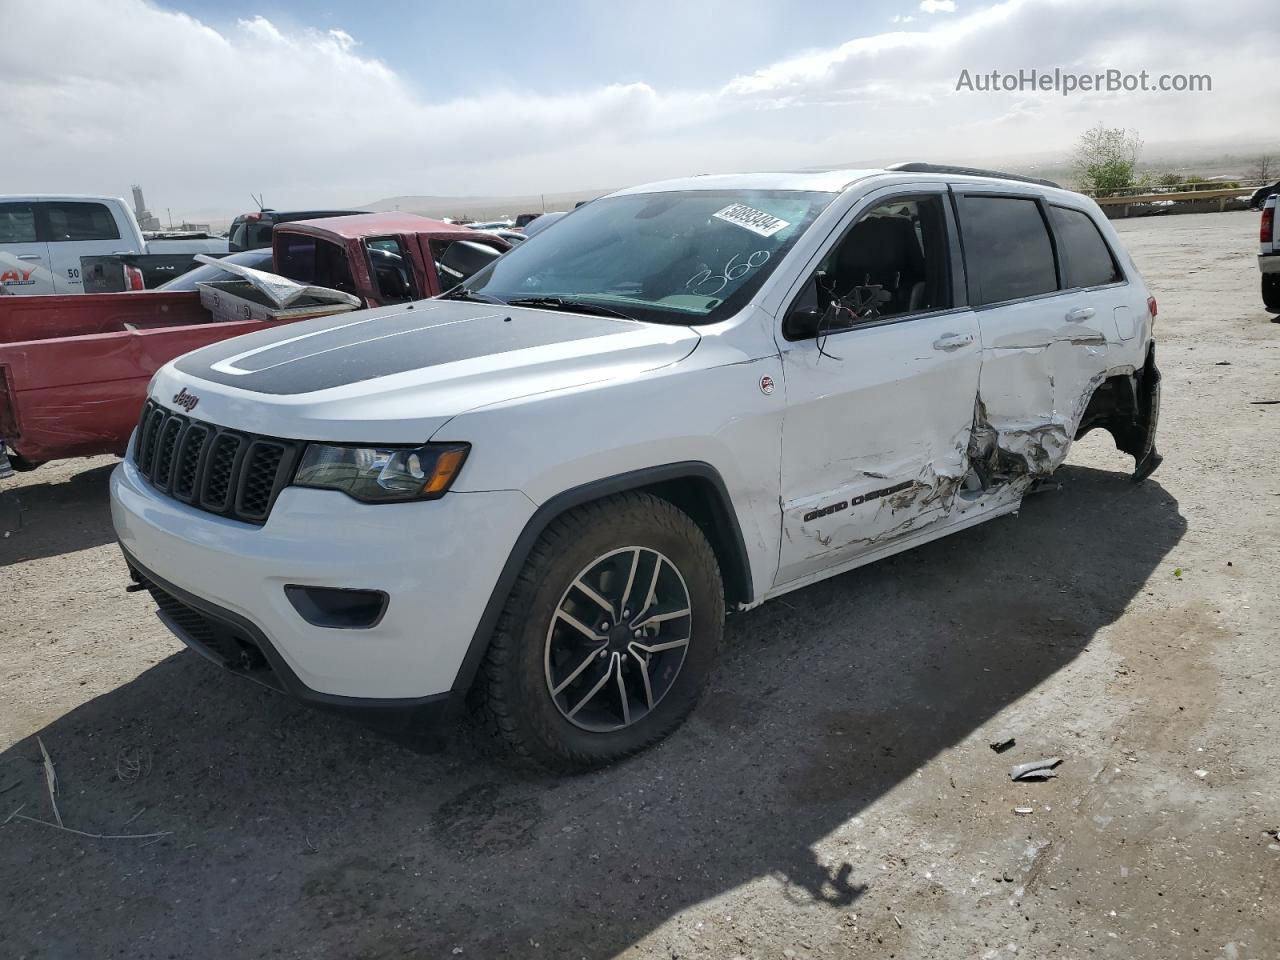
(617, 639)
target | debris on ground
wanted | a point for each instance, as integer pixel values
(1023, 811)
(1035, 769)
(1002, 743)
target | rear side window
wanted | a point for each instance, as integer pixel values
(68, 221)
(17, 223)
(1007, 248)
(1086, 258)
(319, 262)
(392, 274)
(260, 234)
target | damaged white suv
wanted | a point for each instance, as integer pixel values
(541, 492)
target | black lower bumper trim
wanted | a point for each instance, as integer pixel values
(238, 645)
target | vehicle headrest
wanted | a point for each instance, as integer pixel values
(880, 245)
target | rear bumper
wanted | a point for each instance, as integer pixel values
(237, 645)
(1269, 263)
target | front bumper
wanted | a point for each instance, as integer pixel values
(234, 643)
(438, 562)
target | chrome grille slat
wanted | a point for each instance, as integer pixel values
(232, 474)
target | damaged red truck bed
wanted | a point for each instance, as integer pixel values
(74, 369)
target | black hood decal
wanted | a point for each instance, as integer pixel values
(353, 347)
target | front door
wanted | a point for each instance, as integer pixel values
(24, 260)
(75, 229)
(880, 363)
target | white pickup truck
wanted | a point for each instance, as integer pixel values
(43, 238)
(1269, 254)
(540, 492)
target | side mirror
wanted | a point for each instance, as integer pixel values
(806, 319)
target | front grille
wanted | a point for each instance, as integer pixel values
(227, 472)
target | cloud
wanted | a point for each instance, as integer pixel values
(938, 6)
(94, 97)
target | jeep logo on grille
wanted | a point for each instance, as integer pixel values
(187, 401)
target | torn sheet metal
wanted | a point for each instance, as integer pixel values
(281, 291)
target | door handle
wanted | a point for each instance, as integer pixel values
(1080, 313)
(29, 256)
(953, 341)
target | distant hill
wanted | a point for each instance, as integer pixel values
(483, 208)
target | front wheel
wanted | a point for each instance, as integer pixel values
(1271, 291)
(608, 637)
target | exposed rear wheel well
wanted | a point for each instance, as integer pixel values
(1126, 406)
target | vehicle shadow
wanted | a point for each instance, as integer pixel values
(47, 518)
(294, 832)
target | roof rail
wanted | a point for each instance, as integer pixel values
(916, 167)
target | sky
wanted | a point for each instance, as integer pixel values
(319, 103)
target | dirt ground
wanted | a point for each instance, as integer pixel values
(834, 795)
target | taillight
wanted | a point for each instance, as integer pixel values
(1266, 230)
(133, 279)
(1152, 310)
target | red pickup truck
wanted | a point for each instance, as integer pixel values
(74, 369)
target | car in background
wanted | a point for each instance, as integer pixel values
(252, 231)
(1269, 255)
(490, 225)
(1260, 195)
(541, 223)
(74, 369)
(259, 259)
(44, 241)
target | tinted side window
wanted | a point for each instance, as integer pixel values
(1086, 258)
(260, 234)
(17, 223)
(390, 268)
(308, 260)
(1007, 248)
(70, 221)
(893, 261)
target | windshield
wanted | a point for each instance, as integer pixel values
(206, 272)
(683, 257)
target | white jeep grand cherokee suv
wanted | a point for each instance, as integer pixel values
(540, 492)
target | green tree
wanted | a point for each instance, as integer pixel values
(1105, 159)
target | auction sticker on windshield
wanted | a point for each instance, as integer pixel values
(757, 221)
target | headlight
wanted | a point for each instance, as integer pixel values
(382, 474)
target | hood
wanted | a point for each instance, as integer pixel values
(396, 374)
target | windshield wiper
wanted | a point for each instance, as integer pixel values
(462, 293)
(570, 305)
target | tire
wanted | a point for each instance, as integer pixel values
(539, 644)
(1271, 291)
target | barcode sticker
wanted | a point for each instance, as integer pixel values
(757, 221)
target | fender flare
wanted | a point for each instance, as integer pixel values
(725, 520)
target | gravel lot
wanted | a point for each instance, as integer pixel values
(834, 795)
